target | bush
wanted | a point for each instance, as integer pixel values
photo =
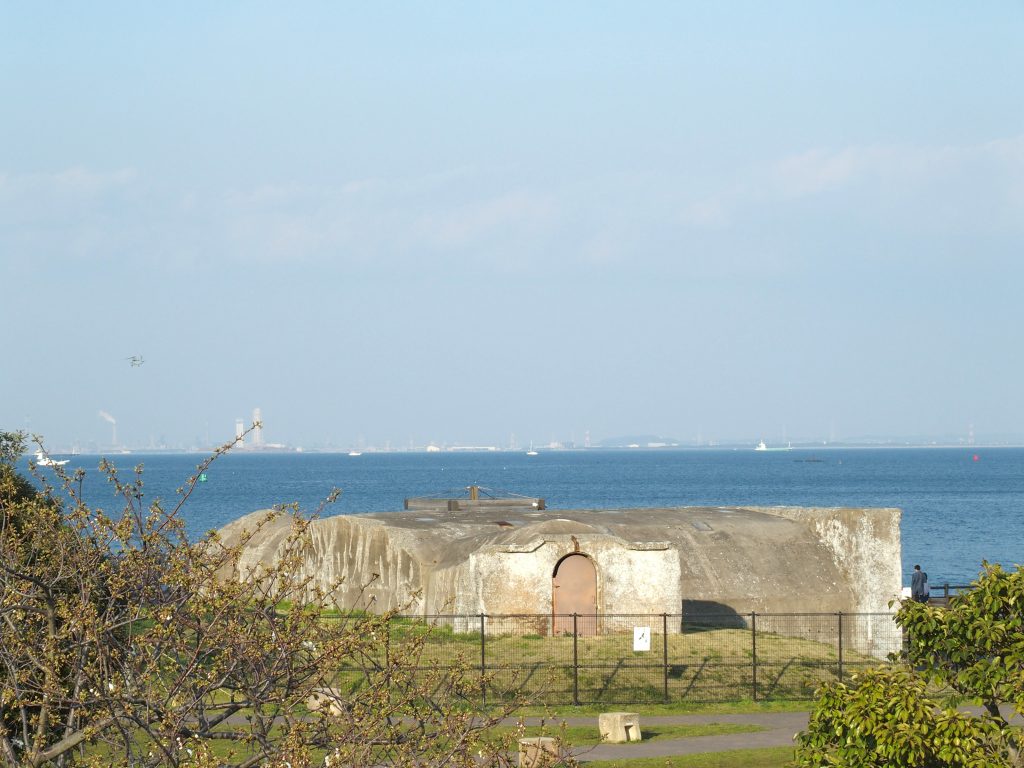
(974, 648)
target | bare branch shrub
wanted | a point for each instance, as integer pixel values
(124, 643)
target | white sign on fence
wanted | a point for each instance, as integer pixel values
(641, 638)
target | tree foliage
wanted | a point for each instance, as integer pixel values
(123, 643)
(12, 445)
(971, 652)
(15, 488)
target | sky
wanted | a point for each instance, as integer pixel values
(393, 223)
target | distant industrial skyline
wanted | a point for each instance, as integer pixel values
(454, 222)
(250, 435)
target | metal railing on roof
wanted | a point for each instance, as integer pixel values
(474, 497)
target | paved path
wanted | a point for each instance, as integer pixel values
(781, 727)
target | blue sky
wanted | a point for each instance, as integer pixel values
(453, 222)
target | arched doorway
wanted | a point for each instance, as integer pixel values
(574, 590)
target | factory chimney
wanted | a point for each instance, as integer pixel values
(257, 432)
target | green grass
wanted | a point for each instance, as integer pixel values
(584, 736)
(709, 665)
(738, 707)
(767, 757)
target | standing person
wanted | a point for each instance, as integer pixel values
(919, 585)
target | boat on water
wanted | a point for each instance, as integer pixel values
(355, 453)
(762, 446)
(46, 461)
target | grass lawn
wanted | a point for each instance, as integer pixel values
(709, 665)
(584, 736)
(768, 757)
(739, 707)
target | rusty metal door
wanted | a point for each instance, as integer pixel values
(574, 590)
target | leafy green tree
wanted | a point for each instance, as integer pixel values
(972, 650)
(12, 446)
(13, 486)
(123, 643)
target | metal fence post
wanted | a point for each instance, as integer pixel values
(753, 652)
(483, 662)
(575, 662)
(840, 614)
(664, 650)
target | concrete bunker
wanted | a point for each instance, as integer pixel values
(510, 557)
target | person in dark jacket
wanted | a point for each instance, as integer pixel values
(919, 585)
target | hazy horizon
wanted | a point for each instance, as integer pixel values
(451, 223)
(511, 442)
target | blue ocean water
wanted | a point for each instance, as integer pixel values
(957, 509)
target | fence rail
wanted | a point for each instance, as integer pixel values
(946, 591)
(637, 658)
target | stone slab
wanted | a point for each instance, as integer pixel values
(619, 727)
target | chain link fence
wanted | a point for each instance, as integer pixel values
(649, 658)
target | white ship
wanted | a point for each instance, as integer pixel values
(761, 446)
(46, 461)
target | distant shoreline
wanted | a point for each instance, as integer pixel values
(730, 447)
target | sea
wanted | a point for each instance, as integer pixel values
(961, 506)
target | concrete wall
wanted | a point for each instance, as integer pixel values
(518, 579)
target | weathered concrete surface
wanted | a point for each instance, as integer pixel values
(619, 727)
(695, 559)
(539, 752)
